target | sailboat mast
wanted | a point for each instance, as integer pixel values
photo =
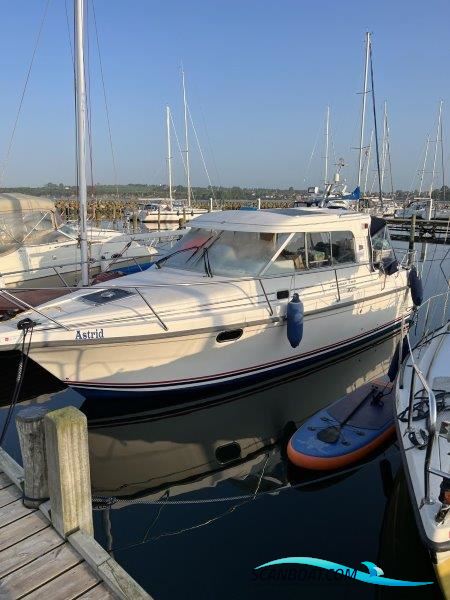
(435, 148)
(327, 143)
(188, 173)
(363, 109)
(368, 163)
(81, 109)
(169, 156)
(384, 146)
(424, 166)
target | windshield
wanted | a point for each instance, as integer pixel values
(229, 253)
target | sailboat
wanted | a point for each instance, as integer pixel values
(170, 210)
(423, 429)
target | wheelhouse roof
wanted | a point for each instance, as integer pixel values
(24, 202)
(280, 220)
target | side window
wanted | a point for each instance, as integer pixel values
(319, 250)
(342, 247)
(291, 258)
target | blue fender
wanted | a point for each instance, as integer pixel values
(294, 317)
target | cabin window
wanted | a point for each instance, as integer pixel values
(319, 250)
(11, 232)
(38, 224)
(291, 258)
(342, 247)
(229, 253)
(381, 245)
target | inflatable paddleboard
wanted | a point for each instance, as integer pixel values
(347, 430)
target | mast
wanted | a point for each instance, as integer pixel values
(169, 156)
(363, 108)
(81, 109)
(327, 142)
(436, 147)
(424, 165)
(375, 126)
(188, 174)
(384, 146)
(368, 163)
(430, 205)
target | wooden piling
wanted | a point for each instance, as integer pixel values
(69, 479)
(30, 428)
(159, 217)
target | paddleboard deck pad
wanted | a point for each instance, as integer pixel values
(330, 440)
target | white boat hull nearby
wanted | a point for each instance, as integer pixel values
(425, 439)
(173, 329)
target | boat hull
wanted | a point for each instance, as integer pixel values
(193, 376)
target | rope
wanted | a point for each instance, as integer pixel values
(101, 502)
(19, 376)
(27, 78)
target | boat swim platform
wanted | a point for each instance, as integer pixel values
(38, 562)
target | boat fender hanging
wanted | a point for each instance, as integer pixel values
(415, 283)
(294, 318)
(396, 360)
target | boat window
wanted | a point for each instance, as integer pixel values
(319, 250)
(381, 245)
(37, 225)
(229, 253)
(291, 258)
(342, 247)
(11, 231)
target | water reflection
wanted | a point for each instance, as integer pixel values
(142, 452)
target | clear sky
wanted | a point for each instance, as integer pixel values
(260, 74)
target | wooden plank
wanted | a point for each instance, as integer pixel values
(28, 550)
(19, 530)
(9, 466)
(12, 512)
(116, 578)
(8, 495)
(39, 572)
(99, 592)
(67, 586)
(5, 481)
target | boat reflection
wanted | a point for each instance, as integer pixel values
(237, 444)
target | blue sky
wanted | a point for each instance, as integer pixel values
(259, 72)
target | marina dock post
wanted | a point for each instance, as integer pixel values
(55, 454)
(30, 429)
(69, 480)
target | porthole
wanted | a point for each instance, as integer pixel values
(228, 452)
(229, 336)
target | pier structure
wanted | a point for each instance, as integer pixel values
(47, 548)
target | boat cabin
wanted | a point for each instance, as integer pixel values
(27, 220)
(276, 242)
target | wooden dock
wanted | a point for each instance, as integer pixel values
(37, 561)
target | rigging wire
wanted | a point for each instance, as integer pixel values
(182, 152)
(108, 120)
(22, 97)
(201, 154)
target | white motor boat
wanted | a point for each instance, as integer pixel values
(166, 212)
(423, 428)
(213, 311)
(38, 250)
